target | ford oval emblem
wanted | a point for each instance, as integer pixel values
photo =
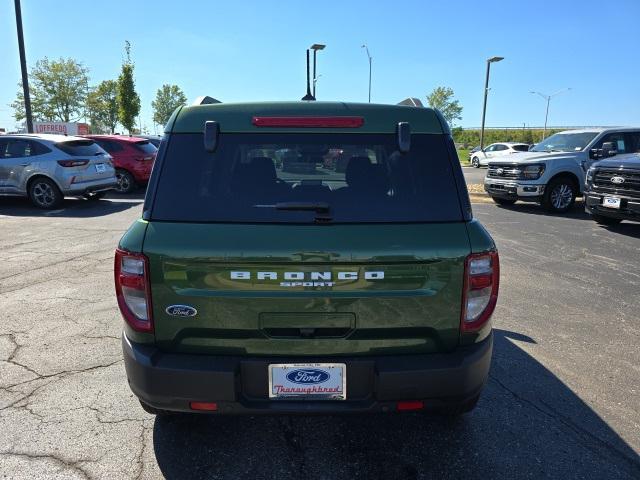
(617, 180)
(500, 171)
(181, 311)
(307, 376)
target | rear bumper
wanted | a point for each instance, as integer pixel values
(239, 385)
(629, 206)
(94, 186)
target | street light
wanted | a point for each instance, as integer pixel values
(315, 47)
(486, 91)
(369, 57)
(548, 99)
(23, 67)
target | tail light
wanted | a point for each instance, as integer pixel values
(145, 159)
(481, 282)
(72, 163)
(133, 290)
(308, 122)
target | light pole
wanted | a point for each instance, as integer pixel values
(369, 57)
(548, 99)
(23, 67)
(315, 47)
(486, 91)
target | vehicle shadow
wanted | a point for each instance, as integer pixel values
(628, 229)
(71, 208)
(576, 212)
(528, 424)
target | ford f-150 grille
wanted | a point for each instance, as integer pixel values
(503, 171)
(617, 181)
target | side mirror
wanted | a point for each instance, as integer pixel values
(609, 149)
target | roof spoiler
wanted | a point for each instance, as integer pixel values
(412, 102)
(205, 100)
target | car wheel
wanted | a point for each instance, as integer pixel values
(475, 161)
(45, 194)
(503, 201)
(559, 195)
(602, 220)
(126, 182)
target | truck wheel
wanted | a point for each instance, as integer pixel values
(602, 220)
(44, 193)
(559, 195)
(503, 201)
(475, 161)
(126, 182)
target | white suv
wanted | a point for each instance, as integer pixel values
(482, 157)
(553, 172)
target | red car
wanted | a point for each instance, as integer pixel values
(133, 159)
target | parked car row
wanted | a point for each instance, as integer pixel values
(47, 167)
(481, 157)
(602, 165)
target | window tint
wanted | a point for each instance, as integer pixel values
(109, 145)
(521, 148)
(17, 147)
(633, 142)
(490, 148)
(265, 177)
(146, 147)
(617, 139)
(500, 147)
(80, 148)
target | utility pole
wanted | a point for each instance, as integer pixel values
(548, 100)
(370, 59)
(23, 67)
(486, 92)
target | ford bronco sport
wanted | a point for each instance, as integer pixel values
(247, 287)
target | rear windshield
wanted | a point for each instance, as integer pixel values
(306, 178)
(146, 147)
(80, 148)
(521, 148)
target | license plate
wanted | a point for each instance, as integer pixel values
(310, 381)
(611, 202)
(100, 167)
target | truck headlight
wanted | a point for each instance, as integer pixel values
(590, 174)
(531, 172)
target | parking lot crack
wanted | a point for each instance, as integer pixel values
(70, 465)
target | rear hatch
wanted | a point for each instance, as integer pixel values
(249, 258)
(86, 160)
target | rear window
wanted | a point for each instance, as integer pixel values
(521, 148)
(80, 148)
(295, 178)
(146, 147)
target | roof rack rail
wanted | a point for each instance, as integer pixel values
(412, 102)
(205, 100)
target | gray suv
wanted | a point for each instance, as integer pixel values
(46, 168)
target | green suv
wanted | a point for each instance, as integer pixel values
(306, 257)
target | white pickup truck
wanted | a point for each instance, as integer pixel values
(553, 172)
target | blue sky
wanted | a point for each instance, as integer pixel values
(250, 50)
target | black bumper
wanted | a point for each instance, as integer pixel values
(629, 206)
(240, 385)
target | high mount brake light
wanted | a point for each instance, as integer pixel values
(480, 293)
(131, 271)
(309, 122)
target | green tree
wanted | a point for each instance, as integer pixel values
(102, 107)
(168, 98)
(127, 98)
(442, 99)
(58, 90)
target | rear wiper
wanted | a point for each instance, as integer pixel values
(321, 209)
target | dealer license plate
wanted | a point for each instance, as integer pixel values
(311, 381)
(611, 202)
(100, 167)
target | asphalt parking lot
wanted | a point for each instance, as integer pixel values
(562, 401)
